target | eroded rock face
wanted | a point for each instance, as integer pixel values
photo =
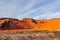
(29, 23)
(27, 19)
(9, 23)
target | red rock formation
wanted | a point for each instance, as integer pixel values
(29, 23)
(10, 23)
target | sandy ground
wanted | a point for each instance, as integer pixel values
(32, 35)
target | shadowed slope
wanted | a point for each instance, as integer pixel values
(29, 23)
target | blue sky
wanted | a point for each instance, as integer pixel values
(37, 9)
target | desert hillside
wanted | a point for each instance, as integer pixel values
(29, 29)
(29, 23)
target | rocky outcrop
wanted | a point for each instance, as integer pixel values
(12, 23)
(29, 23)
(8, 23)
(27, 19)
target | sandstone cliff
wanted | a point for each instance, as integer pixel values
(29, 23)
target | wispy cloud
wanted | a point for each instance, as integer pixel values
(51, 10)
(30, 8)
(48, 15)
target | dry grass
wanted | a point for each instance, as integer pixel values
(29, 35)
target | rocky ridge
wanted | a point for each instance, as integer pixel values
(29, 23)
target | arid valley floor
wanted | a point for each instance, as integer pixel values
(30, 35)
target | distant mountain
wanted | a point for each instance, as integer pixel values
(29, 23)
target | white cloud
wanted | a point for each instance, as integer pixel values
(48, 15)
(14, 8)
(26, 14)
(50, 10)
